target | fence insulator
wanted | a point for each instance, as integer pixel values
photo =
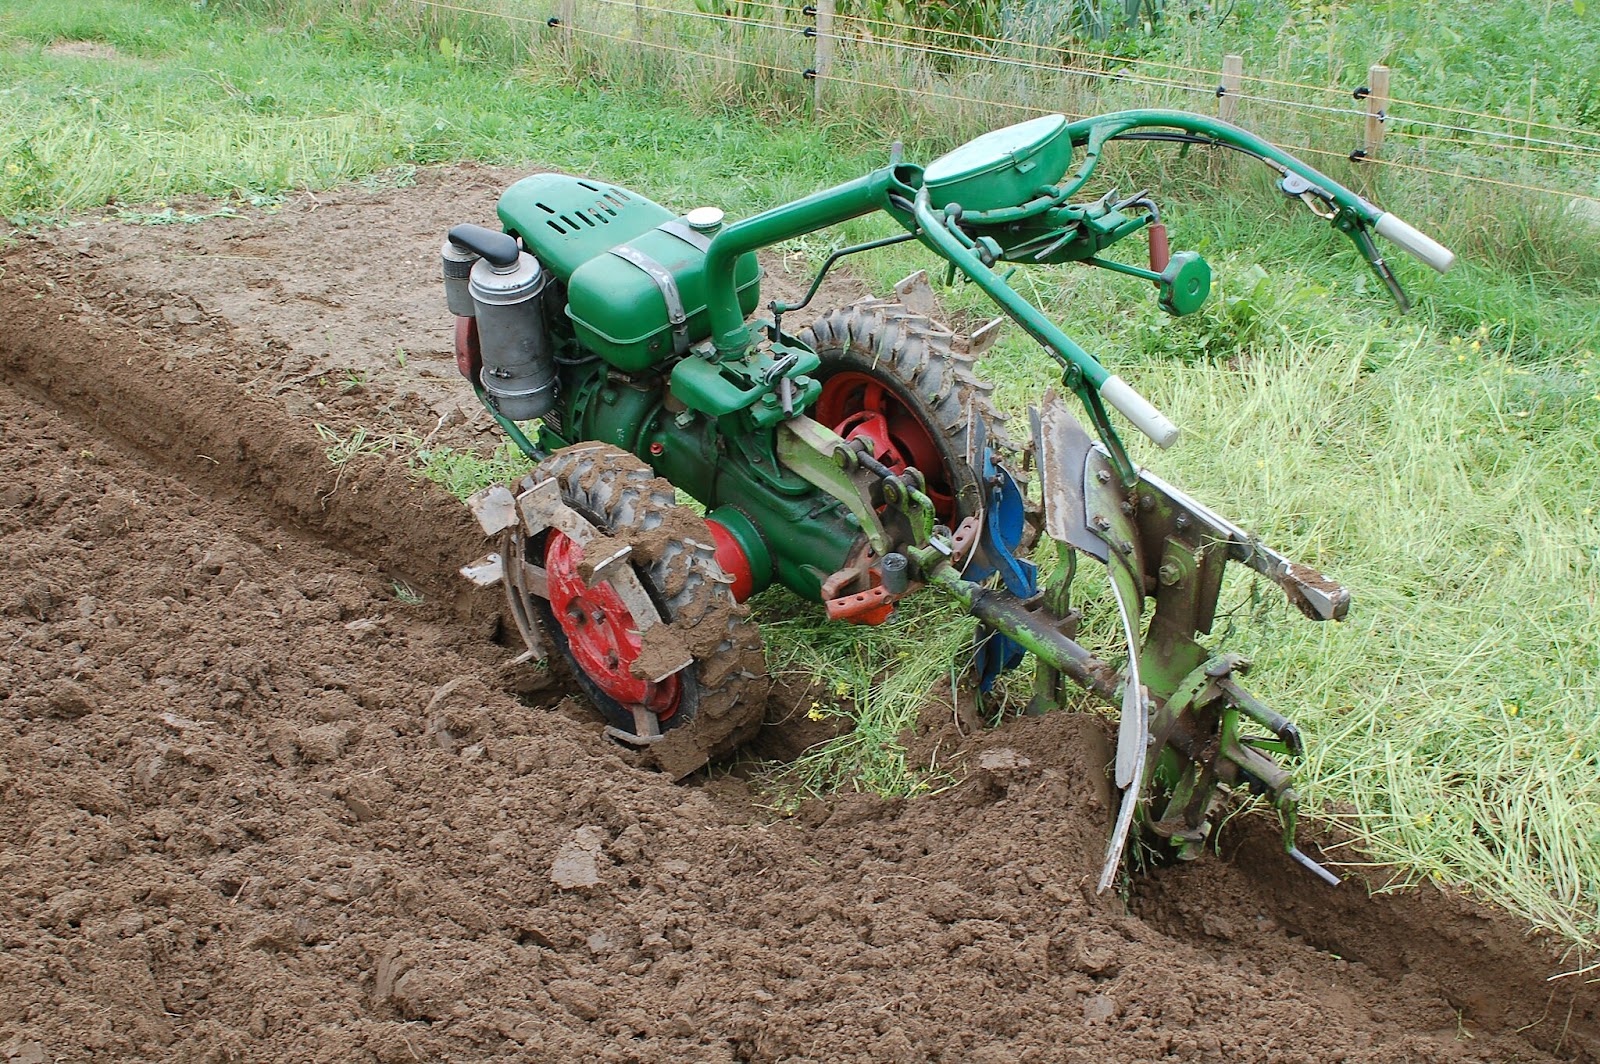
(1229, 88)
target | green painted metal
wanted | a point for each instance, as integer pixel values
(1002, 168)
(818, 211)
(807, 534)
(1001, 612)
(1093, 134)
(810, 450)
(749, 385)
(566, 221)
(1184, 284)
(620, 308)
(1032, 320)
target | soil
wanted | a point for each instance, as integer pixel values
(259, 802)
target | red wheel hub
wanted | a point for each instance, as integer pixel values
(861, 407)
(602, 634)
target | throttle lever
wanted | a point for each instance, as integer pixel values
(1313, 196)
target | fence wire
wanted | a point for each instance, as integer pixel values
(1536, 159)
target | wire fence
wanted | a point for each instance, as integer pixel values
(840, 66)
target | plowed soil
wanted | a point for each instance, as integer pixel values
(260, 803)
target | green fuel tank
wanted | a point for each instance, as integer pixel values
(634, 272)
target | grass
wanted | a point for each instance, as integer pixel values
(1443, 465)
(459, 472)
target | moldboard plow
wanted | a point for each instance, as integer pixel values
(857, 459)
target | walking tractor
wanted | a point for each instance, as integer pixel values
(856, 459)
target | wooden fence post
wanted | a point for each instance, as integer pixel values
(824, 60)
(1377, 109)
(1228, 90)
(1227, 103)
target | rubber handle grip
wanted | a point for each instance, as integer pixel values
(1137, 409)
(1418, 243)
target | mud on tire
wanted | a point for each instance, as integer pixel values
(723, 694)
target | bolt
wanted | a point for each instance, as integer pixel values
(1170, 574)
(1127, 507)
(1182, 521)
(1101, 522)
(657, 449)
(1147, 501)
(1103, 476)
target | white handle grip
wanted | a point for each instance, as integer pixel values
(1418, 243)
(1137, 409)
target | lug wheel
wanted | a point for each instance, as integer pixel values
(704, 710)
(891, 377)
(603, 636)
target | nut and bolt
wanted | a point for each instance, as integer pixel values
(1102, 522)
(1170, 574)
(1103, 476)
(1182, 520)
(1127, 507)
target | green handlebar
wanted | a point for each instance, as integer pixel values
(1092, 134)
(897, 190)
(817, 211)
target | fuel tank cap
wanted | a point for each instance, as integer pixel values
(705, 219)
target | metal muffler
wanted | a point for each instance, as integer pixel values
(505, 287)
